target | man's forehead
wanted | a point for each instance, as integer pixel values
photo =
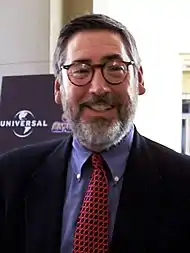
(95, 45)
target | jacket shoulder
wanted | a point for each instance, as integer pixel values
(27, 158)
(171, 164)
(165, 153)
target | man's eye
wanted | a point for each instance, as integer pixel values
(115, 68)
(81, 71)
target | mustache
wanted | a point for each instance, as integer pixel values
(108, 99)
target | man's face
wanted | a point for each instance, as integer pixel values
(100, 114)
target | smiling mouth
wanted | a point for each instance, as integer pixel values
(100, 107)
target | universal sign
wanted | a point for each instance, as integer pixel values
(23, 123)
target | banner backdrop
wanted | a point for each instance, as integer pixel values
(28, 113)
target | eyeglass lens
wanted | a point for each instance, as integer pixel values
(113, 71)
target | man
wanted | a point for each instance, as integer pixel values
(105, 188)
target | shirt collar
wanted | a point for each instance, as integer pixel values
(116, 157)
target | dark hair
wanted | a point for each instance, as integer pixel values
(92, 22)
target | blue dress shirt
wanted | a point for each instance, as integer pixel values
(79, 172)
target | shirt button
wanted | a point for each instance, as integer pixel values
(78, 176)
(116, 179)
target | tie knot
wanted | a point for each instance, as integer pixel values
(97, 161)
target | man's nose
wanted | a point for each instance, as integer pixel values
(98, 84)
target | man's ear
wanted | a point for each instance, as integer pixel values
(141, 87)
(57, 92)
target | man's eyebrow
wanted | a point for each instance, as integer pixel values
(83, 60)
(111, 57)
(103, 58)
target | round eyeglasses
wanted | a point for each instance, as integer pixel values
(113, 71)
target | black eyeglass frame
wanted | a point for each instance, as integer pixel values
(93, 67)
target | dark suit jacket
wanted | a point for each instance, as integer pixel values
(153, 213)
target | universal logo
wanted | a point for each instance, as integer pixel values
(23, 123)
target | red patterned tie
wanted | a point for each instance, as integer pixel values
(91, 235)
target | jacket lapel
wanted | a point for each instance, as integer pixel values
(139, 201)
(44, 202)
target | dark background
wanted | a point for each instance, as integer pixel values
(34, 93)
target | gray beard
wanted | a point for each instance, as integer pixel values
(102, 134)
(99, 135)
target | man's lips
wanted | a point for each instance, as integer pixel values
(100, 107)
